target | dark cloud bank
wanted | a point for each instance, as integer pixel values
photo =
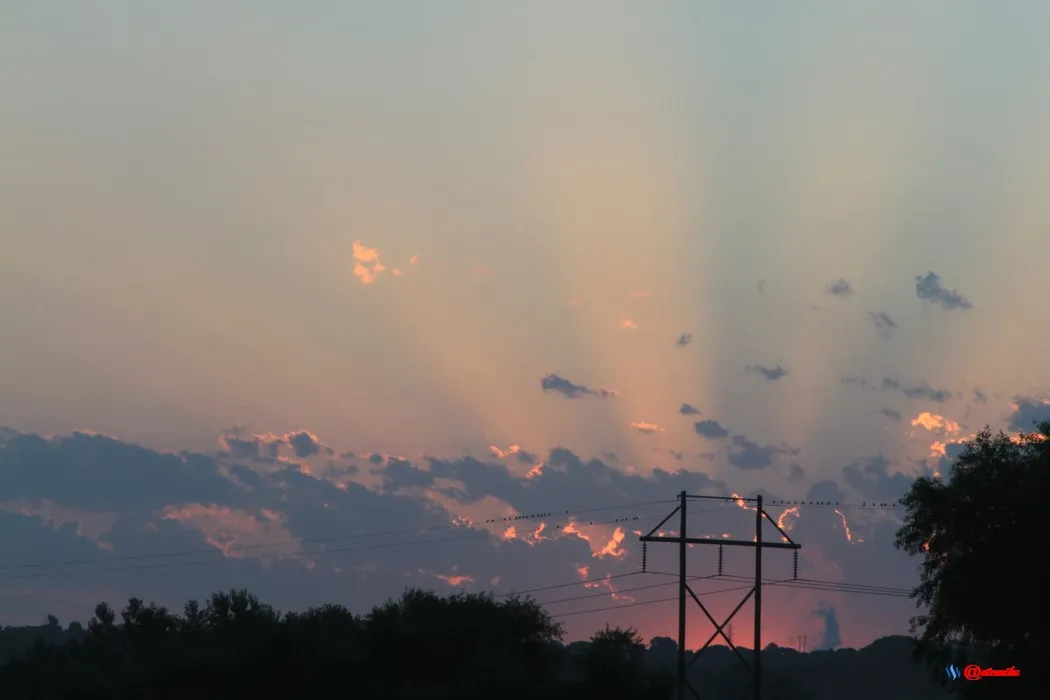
(303, 523)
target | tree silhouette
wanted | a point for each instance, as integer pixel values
(984, 549)
(614, 668)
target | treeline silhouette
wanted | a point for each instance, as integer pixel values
(421, 646)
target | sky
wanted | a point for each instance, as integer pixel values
(281, 279)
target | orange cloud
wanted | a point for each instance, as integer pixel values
(366, 263)
(536, 535)
(932, 421)
(647, 428)
(612, 547)
(628, 324)
(573, 529)
(739, 500)
(846, 529)
(503, 454)
(414, 260)
(782, 521)
(455, 580)
(613, 593)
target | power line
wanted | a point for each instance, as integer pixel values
(835, 587)
(862, 587)
(645, 602)
(337, 550)
(784, 583)
(577, 582)
(602, 594)
(339, 538)
(742, 502)
(793, 583)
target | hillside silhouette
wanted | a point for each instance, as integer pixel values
(422, 645)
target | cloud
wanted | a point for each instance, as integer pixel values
(235, 532)
(96, 472)
(414, 260)
(891, 414)
(710, 429)
(826, 491)
(830, 637)
(300, 538)
(366, 263)
(268, 446)
(936, 423)
(773, 374)
(514, 451)
(871, 478)
(747, 454)
(882, 322)
(684, 340)
(929, 288)
(688, 410)
(628, 324)
(553, 382)
(402, 474)
(646, 428)
(925, 391)
(1028, 411)
(840, 288)
(979, 396)
(922, 390)
(306, 444)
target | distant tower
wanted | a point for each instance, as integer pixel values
(730, 630)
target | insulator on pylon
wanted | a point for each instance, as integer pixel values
(645, 554)
(720, 552)
(796, 564)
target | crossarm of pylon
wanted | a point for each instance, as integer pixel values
(711, 540)
(661, 523)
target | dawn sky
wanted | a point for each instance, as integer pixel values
(347, 268)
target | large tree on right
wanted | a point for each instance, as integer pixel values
(982, 532)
